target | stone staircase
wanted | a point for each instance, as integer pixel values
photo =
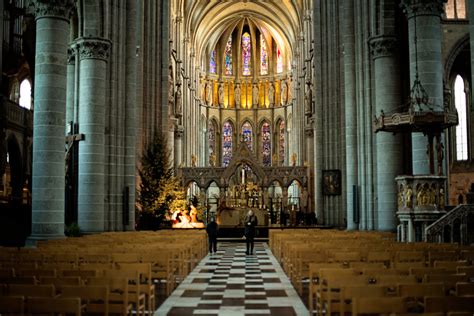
(456, 226)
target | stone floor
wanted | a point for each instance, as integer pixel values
(231, 283)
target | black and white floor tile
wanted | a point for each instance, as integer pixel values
(230, 283)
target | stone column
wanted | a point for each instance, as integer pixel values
(350, 107)
(178, 147)
(52, 34)
(388, 149)
(93, 54)
(427, 14)
(71, 79)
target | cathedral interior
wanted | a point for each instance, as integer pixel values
(355, 116)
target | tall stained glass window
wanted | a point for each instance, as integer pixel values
(25, 94)
(461, 128)
(247, 134)
(455, 9)
(281, 143)
(246, 54)
(228, 56)
(212, 62)
(266, 145)
(212, 141)
(263, 56)
(226, 144)
(279, 61)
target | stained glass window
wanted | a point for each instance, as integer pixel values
(246, 54)
(281, 144)
(227, 144)
(279, 61)
(455, 9)
(266, 145)
(228, 56)
(461, 128)
(263, 56)
(212, 62)
(247, 134)
(212, 142)
(25, 94)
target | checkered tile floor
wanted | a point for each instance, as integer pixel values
(231, 283)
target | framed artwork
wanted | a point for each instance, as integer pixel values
(332, 182)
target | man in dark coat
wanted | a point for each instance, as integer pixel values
(212, 230)
(250, 223)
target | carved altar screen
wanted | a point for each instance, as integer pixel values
(226, 144)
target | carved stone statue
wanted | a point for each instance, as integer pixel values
(440, 157)
(220, 94)
(284, 92)
(237, 95)
(212, 159)
(209, 93)
(293, 159)
(409, 197)
(271, 94)
(179, 103)
(255, 95)
(193, 160)
(308, 99)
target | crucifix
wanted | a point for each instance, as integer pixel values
(71, 139)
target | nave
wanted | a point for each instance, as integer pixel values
(232, 283)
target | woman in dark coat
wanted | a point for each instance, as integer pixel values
(250, 223)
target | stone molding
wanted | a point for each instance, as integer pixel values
(413, 8)
(93, 48)
(179, 131)
(383, 46)
(59, 9)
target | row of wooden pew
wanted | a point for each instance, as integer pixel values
(109, 273)
(354, 273)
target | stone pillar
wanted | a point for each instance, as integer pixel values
(388, 146)
(93, 54)
(411, 231)
(427, 15)
(350, 111)
(178, 146)
(52, 34)
(71, 83)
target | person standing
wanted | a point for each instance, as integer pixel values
(250, 231)
(212, 229)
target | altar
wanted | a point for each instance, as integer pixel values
(234, 217)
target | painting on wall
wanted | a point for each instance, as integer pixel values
(332, 182)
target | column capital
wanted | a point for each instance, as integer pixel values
(71, 54)
(93, 48)
(179, 131)
(413, 8)
(383, 46)
(309, 132)
(59, 9)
